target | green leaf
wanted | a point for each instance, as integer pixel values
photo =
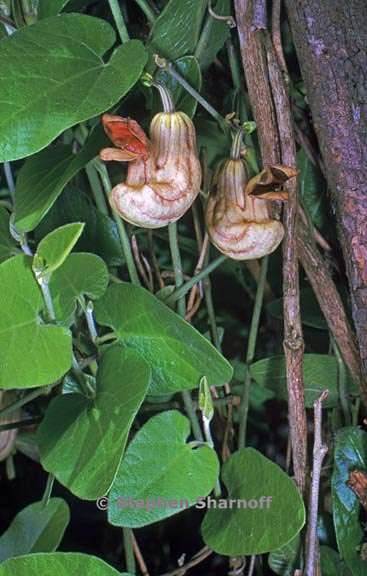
(36, 528)
(312, 188)
(330, 563)
(43, 177)
(216, 33)
(47, 8)
(286, 559)
(189, 69)
(81, 274)
(350, 454)
(63, 80)
(54, 248)
(310, 310)
(159, 464)
(178, 355)
(100, 235)
(57, 564)
(176, 32)
(8, 246)
(82, 440)
(32, 354)
(262, 526)
(320, 371)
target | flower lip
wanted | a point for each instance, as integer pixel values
(128, 136)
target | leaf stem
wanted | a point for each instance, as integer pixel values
(124, 239)
(148, 11)
(186, 287)
(129, 550)
(254, 328)
(342, 384)
(24, 400)
(119, 20)
(181, 305)
(48, 490)
(168, 67)
(9, 179)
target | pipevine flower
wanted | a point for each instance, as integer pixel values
(237, 214)
(164, 173)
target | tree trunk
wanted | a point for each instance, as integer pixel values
(331, 40)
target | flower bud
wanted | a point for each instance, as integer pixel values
(164, 175)
(237, 216)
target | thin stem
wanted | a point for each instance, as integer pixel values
(148, 11)
(90, 321)
(129, 550)
(166, 97)
(181, 305)
(48, 490)
(177, 266)
(22, 401)
(96, 188)
(43, 284)
(20, 423)
(319, 452)
(106, 338)
(254, 328)
(342, 384)
(119, 20)
(186, 287)
(9, 179)
(124, 239)
(168, 66)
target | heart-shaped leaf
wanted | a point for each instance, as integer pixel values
(178, 355)
(176, 31)
(81, 274)
(36, 528)
(82, 440)
(320, 371)
(63, 80)
(54, 248)
(8, 246)
(350, 454)
(32, 353)
(266, 511)
(57, 564)
(160, 474)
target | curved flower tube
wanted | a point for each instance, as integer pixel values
(164, 174)
(237, 214)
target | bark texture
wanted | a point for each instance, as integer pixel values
(271, 112)
(331, 40)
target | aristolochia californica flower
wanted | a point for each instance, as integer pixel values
(164, 174)
(237, 213)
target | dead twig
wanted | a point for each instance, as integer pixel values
(319, 452)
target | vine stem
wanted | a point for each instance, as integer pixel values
(124, 239)
(181, 305)
(22, 401)
(119, 20)
(250, 353)
(48, 490)
(186, 287)
(168, 67)
(319, 452)
(129, 550)
(148, 11)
